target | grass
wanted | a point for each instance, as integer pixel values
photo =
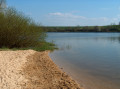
(44, 46)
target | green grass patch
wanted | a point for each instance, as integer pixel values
(44, 46)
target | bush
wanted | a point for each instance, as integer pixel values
(19, 31)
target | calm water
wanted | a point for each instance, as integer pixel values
(93, 59)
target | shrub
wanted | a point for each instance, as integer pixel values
(19, 31)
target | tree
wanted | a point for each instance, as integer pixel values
(119, 23)
(19, 31)
(2, 3)
(97, 28)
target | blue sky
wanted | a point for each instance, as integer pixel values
(70, 12)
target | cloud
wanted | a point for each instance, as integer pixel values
(66, 15)
(70, 19)
(56, 14)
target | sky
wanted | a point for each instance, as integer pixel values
(69, 12)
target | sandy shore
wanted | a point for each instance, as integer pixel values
(29, 69)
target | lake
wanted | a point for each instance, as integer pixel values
(92, 59)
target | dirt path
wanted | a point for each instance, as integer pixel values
(29, 69)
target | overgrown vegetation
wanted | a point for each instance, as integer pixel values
(19, 31)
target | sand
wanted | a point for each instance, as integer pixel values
(30, 69)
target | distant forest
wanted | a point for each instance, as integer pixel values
(109, 28)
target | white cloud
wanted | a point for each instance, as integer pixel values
(56, 14)
(70, 19)
(66, 15)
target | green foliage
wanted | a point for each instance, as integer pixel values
(46, 46)
(19, 31)
(109, 28)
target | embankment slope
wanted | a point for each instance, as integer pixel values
(28, 69)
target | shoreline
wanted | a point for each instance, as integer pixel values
(82, 76)
(30, 69)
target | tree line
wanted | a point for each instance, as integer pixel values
(109, 28)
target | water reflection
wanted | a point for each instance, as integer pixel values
(66, 41)
(97, 53)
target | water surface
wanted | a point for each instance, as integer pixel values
(93, 59)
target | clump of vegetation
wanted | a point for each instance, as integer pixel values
(19, 31)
